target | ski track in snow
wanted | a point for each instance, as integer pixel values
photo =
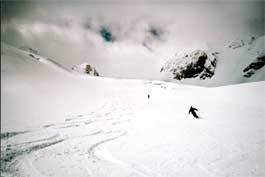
(97, 127)
(128, 136)
(78, 145)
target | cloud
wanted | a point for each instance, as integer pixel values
(178, 21)
(98, 33)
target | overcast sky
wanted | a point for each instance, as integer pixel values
(121, 35)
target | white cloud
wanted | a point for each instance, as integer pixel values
(69, 32)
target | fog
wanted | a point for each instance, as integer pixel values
(129, 38)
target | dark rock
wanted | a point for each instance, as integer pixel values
(257, 64)
(197, 64)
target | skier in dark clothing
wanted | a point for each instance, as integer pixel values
(192, 110)
(148, 96)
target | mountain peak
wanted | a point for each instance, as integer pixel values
(85, 68)
(241, 60)
(198, 63)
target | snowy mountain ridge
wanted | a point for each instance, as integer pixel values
(35, 55)
(197, 63)
(239, 61)
(83, 68)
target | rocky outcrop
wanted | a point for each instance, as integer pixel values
(236, 44)
(257, 64)
(30, 50)
(239, 43)
(197, 64)
(86, 69)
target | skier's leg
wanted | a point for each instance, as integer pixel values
(195, 115)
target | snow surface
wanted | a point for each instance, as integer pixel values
(54, 123)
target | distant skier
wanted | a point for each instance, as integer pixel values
(192, 110)
(148, 96)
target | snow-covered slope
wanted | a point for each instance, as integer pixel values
(36, 86)
(240, 61)
(54, 123)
